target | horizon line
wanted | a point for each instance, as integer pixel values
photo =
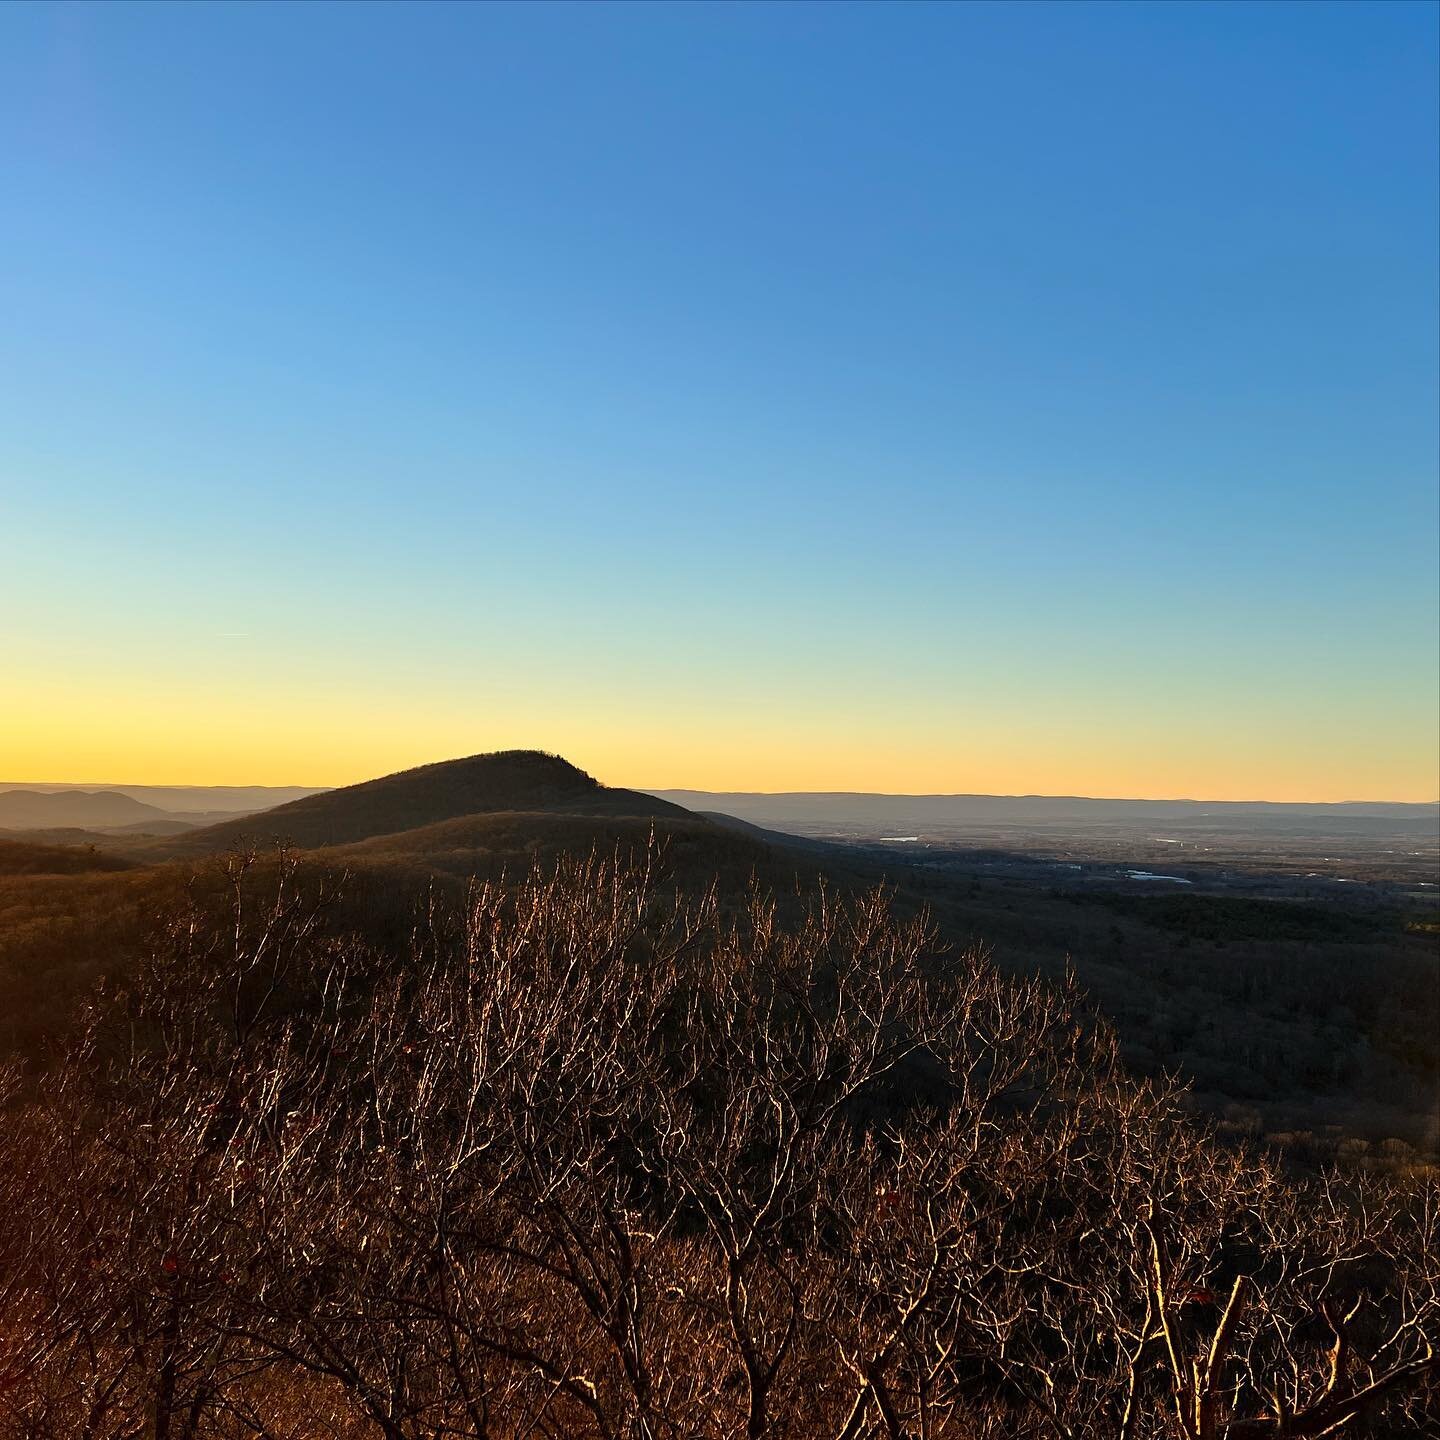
(1025, 795)
(8, 785)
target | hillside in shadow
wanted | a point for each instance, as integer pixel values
(511, 780)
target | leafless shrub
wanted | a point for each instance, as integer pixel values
(589, 1159)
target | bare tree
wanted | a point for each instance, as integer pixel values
(587, 1157)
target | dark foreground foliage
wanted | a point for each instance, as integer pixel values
(584, 1159)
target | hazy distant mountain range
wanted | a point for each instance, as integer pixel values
(298, 810)
(149, 809)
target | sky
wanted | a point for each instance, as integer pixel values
(991, 398)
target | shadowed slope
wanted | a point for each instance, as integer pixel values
(693, 851)
(21, 857)
(511, 780)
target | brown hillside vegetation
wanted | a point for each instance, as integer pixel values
(62, 932)
(1297, 1022)
(22, 857)
(65, 923)
(696, 853)
(613, 1145)
(109, 842)
(578, 1156)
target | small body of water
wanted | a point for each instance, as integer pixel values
(1168, 879)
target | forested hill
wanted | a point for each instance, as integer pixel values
(513, 780)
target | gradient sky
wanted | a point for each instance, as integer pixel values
(1013, 398)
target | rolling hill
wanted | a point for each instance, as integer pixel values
(508, 781)
(82, 809)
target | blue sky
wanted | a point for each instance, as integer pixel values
(1013, 397)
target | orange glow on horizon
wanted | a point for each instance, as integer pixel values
(57, 730)
(986, 764)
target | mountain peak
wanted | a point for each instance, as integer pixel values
(536, 765)
(505, 780)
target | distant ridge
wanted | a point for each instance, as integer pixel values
(810, 809)
(214, 802)
(85, 809)
(508, 780)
